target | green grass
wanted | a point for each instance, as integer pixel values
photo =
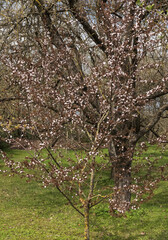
(29, 211)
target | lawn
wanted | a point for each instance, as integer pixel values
(29, 211)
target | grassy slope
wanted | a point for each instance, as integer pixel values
(30, 212)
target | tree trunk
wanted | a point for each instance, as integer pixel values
(122, 179)
(86, 216)
(121, 159)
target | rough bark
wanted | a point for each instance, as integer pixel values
(121, 159)
(122, 179)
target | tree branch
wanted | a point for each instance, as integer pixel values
(10, 99)
(46, 19)
(69, 200)
(10, 31)
(86, 26)
(153, 122)
(157, 94)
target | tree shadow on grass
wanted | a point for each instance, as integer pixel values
(149, 222)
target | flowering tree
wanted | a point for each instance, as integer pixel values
(95, 72)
